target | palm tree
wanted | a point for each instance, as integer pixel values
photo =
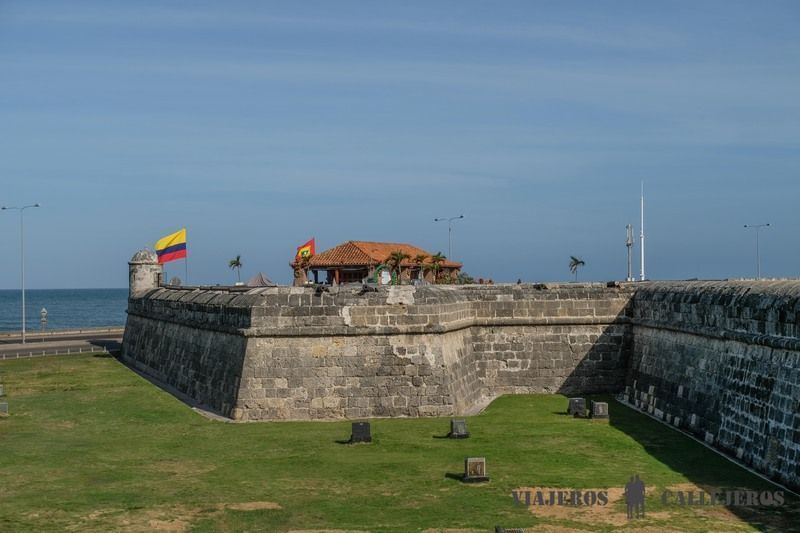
(436, 264)
(419, 260)
(236, 263)
(394, 262)
(574, 264)
(464, 279)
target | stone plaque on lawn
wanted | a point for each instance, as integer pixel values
(3, 408)
(361, 433)
(599, 410)
(475, 469)
(577, 407)
(458, 429)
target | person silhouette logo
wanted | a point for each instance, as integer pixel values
(634, 497)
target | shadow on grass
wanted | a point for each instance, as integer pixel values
(704, 468)
(602, 369)
(458, 476)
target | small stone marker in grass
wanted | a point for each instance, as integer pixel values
(475, 470)
(458, 429)
(498, 529)
(577, 407)
(360, 433)
(599, 410)
(3, 408)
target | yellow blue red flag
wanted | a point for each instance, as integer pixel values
(172, 247)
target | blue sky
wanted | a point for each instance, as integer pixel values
(258, 125)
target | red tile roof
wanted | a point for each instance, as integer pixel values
(357, 253)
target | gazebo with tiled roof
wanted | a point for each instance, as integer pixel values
(354, 261)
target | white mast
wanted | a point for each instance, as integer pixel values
(641, 237)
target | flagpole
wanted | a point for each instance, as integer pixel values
(186, 268)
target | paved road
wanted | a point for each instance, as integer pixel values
(70, 334)
(68, 342)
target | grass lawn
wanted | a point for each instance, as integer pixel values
(92, 446)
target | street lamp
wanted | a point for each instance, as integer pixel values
(21, 255)
(449, 233)
(757, 227)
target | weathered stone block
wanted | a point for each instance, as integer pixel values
(576, 407)
(599, 409)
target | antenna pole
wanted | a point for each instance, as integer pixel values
(629, 245)
(641, 238)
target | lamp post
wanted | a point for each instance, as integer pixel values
(449, 232)
(21, 254)
(757, 227)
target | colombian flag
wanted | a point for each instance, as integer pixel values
(172, 247)
(306, 250)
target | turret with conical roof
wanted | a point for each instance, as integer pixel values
(144, 271)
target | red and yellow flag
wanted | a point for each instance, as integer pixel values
(306, 250)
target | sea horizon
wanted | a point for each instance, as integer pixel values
(66, 308)
(27, 290)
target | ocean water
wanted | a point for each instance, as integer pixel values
(66, 308)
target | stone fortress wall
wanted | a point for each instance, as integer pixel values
(718, 359)
(722, 361)
(295, 353)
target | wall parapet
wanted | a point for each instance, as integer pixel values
(772, 341)
(283, 311)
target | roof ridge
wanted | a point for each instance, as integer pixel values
(386, 242)
(360, 249)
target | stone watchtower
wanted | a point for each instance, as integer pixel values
(145, 272)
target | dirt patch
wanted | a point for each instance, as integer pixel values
(548, 528)
(176, 518)
(327, 531)
(612, 513)
(451, 530)
(171, 525)
(691, 486)
(606, 514)
(250, 506)
(544, 505)
(718, 512)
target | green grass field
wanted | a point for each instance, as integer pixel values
(92, 446)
